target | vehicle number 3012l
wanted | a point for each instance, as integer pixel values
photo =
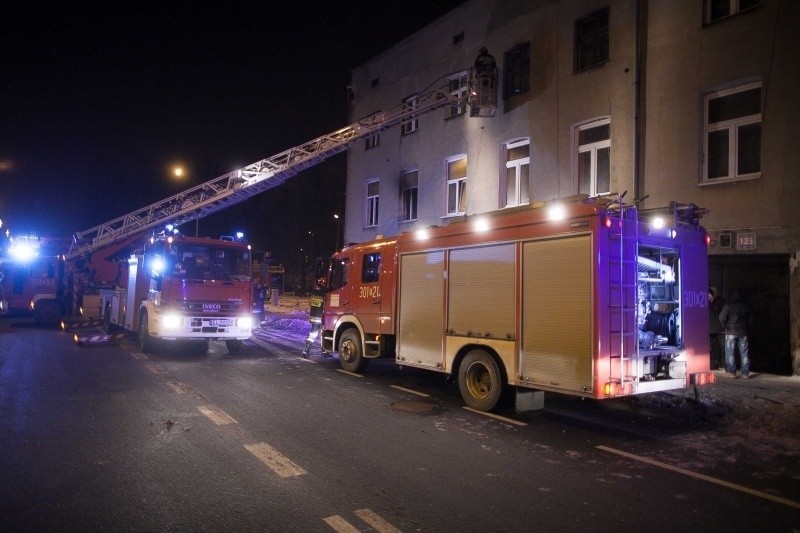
(369, 292)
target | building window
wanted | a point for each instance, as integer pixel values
(591, 40)
(409, 190)
(372, 141)
(593, 157)
(517, 188)
(410, 125)
(458, 89)
(732, 139)
(371, 208)
(457, 186)
(517, 78)
(714, 10)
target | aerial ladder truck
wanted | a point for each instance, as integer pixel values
(133, 272)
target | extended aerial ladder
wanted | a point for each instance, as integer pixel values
(244, 183)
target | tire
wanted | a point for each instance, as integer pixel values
(48, 313)
(146, 342)
(480, 381)
(234, 346)
(351, 357)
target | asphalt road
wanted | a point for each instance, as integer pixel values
(108, 438)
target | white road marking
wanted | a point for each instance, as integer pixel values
(216, 415)
(275, 460)
(155, 369)
(349, 373)
(376, 521)
(340, 525)
(139, 356)
(398, 387)
(497, 417)
(703, 477)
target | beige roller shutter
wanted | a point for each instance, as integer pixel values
(557, 313)
(481, 291)
(421, 321)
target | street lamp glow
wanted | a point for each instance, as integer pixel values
(178, 171)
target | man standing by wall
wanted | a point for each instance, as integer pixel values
(735, 318)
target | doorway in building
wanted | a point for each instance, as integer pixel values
(764, 281)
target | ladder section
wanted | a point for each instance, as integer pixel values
(244, 183)
(623, 335)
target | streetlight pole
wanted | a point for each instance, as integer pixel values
(338, 221)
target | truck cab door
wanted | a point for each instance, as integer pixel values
(374, 293)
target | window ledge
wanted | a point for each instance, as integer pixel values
(717, 181)
(453, 215)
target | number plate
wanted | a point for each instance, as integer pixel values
(221, 321)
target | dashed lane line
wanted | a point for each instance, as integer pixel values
(349, 373)
(410, 391)
(216, 415)
(703, 477)
(340, 525)
(376, 521)
(496, 417)
(275, 460)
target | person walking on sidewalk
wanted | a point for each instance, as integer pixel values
(735, 318)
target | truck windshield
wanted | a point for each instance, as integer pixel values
(209, 262)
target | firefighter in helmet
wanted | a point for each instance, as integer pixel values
(314, 316)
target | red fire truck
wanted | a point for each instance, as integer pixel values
(183, 288)
(587, 297)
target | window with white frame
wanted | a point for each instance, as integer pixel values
(371, 206)
(410, 125)
(409, 189)
(516, 183)
(593, 157)
(457, 185)
(372, 141)
(458, 89)
(714, 10)
(732, 140)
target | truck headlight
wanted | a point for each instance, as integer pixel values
(245, 322)
(171, 321)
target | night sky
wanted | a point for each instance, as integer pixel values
(99, 104)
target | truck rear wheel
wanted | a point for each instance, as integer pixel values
(480, 381)
(146, 342)
(48, 313)
(351, 358)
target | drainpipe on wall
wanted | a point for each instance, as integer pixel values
(637, 99)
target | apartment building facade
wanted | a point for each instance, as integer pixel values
(666, 100)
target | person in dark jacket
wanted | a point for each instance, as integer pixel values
(484, 63)
(735, 318)
(315, 317)
(716, 336)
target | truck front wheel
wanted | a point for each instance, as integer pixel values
(351, 358)
(48, 313)
(234, 346)
(146, 342)
(480, 381)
